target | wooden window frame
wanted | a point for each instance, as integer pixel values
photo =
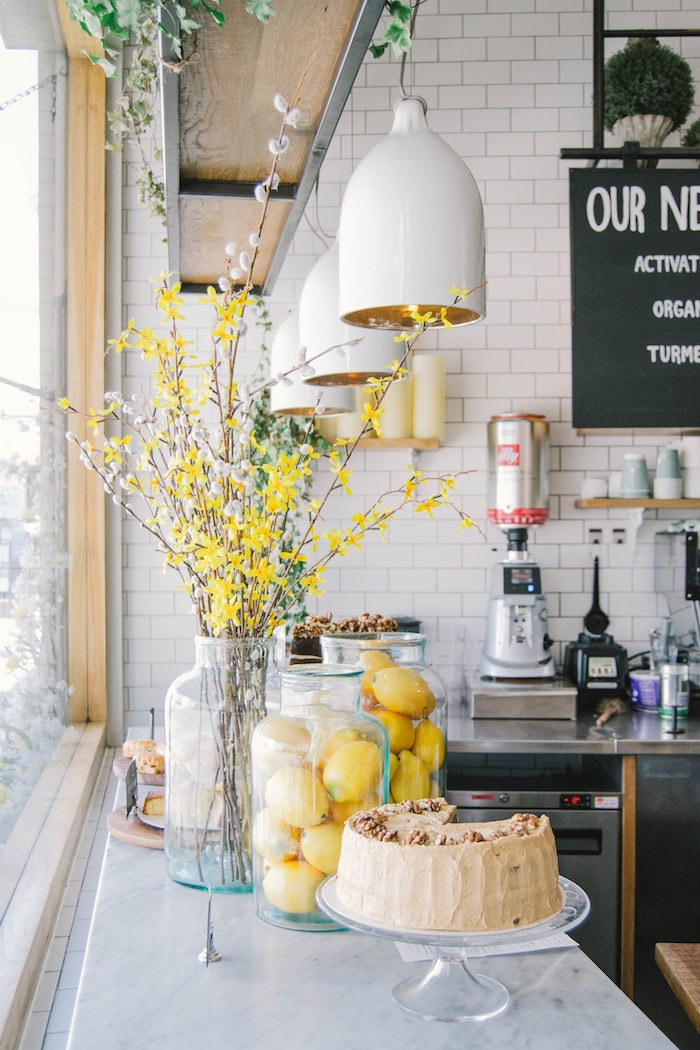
(37, 859)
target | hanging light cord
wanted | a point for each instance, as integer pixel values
(315, 223)
(404, 56)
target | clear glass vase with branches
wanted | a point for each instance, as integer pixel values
(184, 459)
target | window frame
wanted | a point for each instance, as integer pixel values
(37, 858)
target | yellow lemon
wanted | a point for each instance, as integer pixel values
(291, 886)
(320, 846)
(404, 690)
(273, 839)
(341, 736)
(393, 764)
(411, 779)
(340, 811)
(296, 795)
(429, 745)
(372, 660)
(399, 727)
(353, 771)
(280, 742)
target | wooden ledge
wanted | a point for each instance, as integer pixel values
(35, 863)
(680, 965)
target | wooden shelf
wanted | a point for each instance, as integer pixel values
(649, 504)
(415, 443)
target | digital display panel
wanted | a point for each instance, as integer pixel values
(522, 579)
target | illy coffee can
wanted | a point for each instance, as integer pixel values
(518, 459)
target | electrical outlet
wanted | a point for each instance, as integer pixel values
(598, 535)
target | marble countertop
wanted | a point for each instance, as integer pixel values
(143, 985)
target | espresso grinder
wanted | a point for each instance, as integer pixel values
(517, 644)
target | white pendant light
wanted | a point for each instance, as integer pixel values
(320, 327)
(411, 228)
(294, 397)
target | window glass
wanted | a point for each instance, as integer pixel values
(33, 691)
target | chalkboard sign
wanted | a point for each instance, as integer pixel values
(635, 247)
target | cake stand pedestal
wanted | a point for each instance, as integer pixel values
(449, 990)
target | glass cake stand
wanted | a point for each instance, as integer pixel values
(449, 990)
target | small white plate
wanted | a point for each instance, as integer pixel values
(150, 819)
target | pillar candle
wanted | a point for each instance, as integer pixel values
(327, 426)
(396, 417)
(350, 424)
(428, 415)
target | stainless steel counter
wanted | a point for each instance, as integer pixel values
(637, 733)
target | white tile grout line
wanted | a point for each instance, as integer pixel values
(49, 1018)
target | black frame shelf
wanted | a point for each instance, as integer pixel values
(630, 152)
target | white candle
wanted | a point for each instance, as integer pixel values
(428, 415)
(396, 403)
(350, 424)
(327, 427)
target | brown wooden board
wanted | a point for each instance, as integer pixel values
(131, 829)
(680, 965)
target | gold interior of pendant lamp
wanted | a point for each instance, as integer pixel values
(401, 316)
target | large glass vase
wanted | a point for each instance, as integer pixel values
(210, 714)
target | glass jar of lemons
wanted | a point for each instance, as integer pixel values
(317, 762)
(402, 691)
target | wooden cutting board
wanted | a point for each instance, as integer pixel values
(131, 829)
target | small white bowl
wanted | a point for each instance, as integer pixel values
(594, 488)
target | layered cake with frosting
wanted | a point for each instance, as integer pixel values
(412, 865)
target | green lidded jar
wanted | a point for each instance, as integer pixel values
(317, 762)
(402, 691)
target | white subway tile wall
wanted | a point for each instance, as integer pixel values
(508, 84)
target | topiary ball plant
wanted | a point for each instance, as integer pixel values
(647, 77)
(691, 137)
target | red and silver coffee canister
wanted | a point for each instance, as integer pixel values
(518, 484)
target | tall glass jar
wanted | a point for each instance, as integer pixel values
(314, 765)
(210, 714)
(402, 691)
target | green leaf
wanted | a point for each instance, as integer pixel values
(399, 11)
(129, 13)
(109, 68)
(398, 36)
(262, 9)
(377, 50)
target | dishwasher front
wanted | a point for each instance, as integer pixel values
(584, 805)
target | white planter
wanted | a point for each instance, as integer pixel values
(648, 129)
